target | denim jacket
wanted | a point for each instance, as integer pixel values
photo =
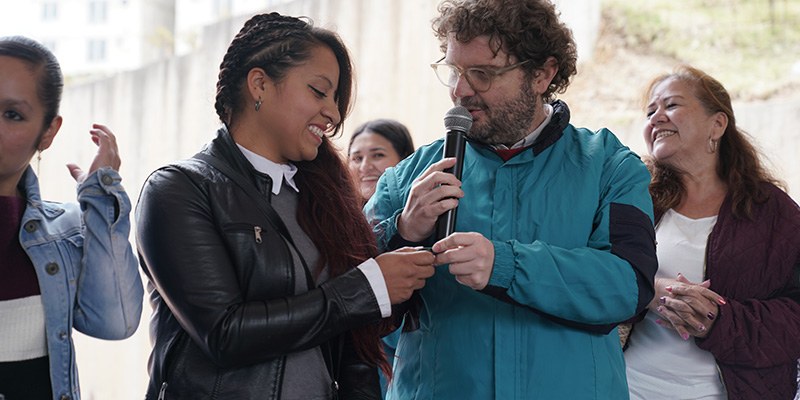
(86, 269)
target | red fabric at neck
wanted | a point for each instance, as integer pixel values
(507, 154)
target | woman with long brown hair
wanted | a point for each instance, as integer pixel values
(259, 258)
(728, 252)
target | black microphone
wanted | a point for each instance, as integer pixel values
(457, 122)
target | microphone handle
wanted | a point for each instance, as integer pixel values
(454, 145)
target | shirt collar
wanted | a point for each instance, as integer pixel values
(278, 172)
(528, 140)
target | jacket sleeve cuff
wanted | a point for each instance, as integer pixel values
(372, 271)
(503, 270)
(106, 178)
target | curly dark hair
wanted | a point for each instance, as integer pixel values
(328, 200)
(524, 29)
(739, 165)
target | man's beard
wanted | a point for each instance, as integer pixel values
(506, 123)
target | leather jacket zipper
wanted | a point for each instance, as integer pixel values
(163, 392)
(257, 231)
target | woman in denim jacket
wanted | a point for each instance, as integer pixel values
(63, 265)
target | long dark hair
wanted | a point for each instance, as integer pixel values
(327, 205)
(43, 63)
(396, 133)
(739, 165)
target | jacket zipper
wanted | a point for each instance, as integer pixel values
(163, 392)
(257, 231)
(705, 259)
(705, 276)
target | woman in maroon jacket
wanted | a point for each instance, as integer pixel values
(728, 251)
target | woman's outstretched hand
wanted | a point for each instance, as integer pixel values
(107, 153)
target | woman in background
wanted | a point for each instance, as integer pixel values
(257, 304)
(728, 252)
(61, 265)
(375, 146)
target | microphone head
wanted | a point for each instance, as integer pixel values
(458, 118)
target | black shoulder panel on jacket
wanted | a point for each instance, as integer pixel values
(633, 239)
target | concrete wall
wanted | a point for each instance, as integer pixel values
(165, 111)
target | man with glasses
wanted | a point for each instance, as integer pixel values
(554, 241)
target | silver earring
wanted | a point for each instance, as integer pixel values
(258, 103)
(712, 145)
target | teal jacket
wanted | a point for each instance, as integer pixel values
(572, 227)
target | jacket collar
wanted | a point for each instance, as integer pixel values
(38, 210)
(224, 148)
(554, 130)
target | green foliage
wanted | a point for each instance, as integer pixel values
(749, 45)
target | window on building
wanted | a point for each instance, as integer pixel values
(49, 10)
(222, 8)
(96, 51)
(98, 11)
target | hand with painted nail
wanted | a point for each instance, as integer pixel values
(696, 303)
(689, 307)
(669, 318)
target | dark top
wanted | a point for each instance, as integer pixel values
(17, 272)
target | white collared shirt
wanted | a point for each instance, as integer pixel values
(286, 172)
(278, 172)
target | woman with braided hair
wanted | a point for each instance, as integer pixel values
(259, 260)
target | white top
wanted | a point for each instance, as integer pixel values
(280, 172)
(660, 364)
(22, 329)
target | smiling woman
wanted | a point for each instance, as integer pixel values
(728, 255)
(261, 263)
(375, 146)
(62, 266)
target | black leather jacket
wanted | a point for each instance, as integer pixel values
(225, 311)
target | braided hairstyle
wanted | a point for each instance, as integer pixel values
(276, 43)
(328, 200)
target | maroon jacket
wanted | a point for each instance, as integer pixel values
(754, 265)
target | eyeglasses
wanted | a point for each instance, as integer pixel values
(480, 79)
